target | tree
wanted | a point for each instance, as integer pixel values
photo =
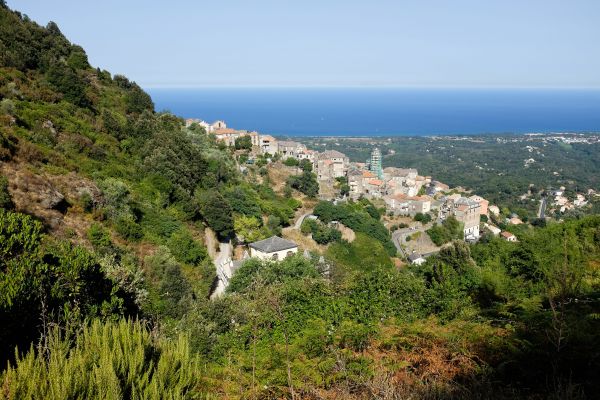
(291, 162)
(243, 143)
(185, 249)
(249, 228)
(306, 165)
(66, 81)
(305, 183)
(217, 213)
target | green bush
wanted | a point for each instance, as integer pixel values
(98, 236)
(305, 183)
(129, 229)
(5, 199)
(185, 249)
(112, 360)
(291, 162)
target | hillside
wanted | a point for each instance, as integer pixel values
(105, 211)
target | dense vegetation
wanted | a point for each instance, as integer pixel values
(104, 285)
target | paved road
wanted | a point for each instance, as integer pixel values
(399, 236)
(300, 219)
(222, 266)
(542, 209)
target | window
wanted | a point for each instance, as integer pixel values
(275, 257)
(289, 253)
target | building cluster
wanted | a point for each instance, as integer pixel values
(403, 190)
(466, 210)
(563, 203)
(223, 133)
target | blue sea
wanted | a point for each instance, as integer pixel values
(379, 112)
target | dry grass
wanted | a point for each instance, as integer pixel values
(303, 242)
(278, 174)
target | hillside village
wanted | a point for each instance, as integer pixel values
(401, 192)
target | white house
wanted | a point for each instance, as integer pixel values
(416, 258)
(494, 229)
(273, 248)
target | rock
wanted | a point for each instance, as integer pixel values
(50, 198)
(50, 126)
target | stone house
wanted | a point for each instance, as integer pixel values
(401, 204)
(289, 149)
(273, 248)
(331, 164)
(268, 144)
(468, 212)
(483, 203)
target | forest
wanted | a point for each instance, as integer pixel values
(105, 267)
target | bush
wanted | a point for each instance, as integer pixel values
(98, 236)
(5, 199)
(354, 336)
(305, 183)
(107, 360)
(449, 230)
(185, 249)
(423, 218)
(291, 162)
(324, 235)
(129, 229)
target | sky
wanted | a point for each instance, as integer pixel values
(409, 43)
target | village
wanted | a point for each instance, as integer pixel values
(403, 192)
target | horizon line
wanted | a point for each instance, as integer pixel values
(424, 87)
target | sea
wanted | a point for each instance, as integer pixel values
(387, 111)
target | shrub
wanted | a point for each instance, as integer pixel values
(129, 229)
(5, 199)
(354, 336)
(98, 236)
(291, 162)
(305, 183)
(423, 218)
(107, 360)
(185, 249)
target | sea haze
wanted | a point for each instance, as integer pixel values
(375, 111)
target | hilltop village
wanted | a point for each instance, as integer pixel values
(402, 192)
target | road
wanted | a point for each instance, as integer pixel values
(399, 236)
(300, 219)
(222, 263)
(542, 209)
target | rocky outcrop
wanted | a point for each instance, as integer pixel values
(54, 199)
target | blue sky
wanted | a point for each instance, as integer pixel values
(431, 43)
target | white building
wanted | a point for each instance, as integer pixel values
(268, 144)
(273, 248)
(416, 258)
(494, 229)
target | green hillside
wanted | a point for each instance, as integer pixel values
(107, 215)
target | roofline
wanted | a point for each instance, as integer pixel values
(291, 246)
